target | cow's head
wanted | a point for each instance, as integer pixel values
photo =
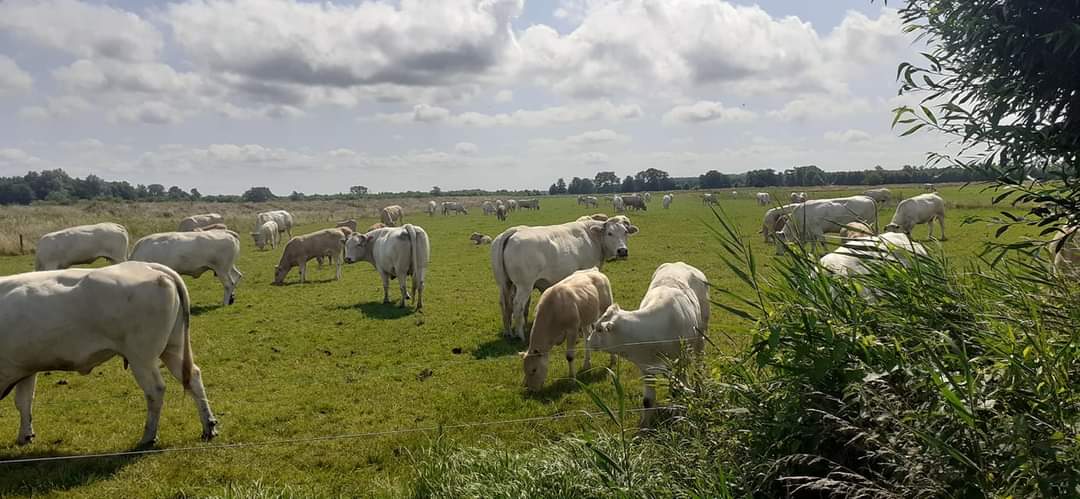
(894, 227)
(357, 247)
(257, 237)
(613, 235)
(536, 368)
(604, 328)
(280, 271)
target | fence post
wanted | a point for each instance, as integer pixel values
(21, 252)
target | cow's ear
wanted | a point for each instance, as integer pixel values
(632, 229)
(522, 354)
(598, 229)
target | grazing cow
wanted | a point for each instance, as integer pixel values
(1066, 252)
(580, 200)
(532, 204)
(526, 258)
(618, 203)
(929, 187)
(854, 256)
(299, 250)
(674, 311)
(591, 202)
(500, 211)
(376, 225)
(811, 220)
(774, 221)
(636, 202)
(350, 223)
(667, 201)
(75, 320)
(268, 235)
(488, 208)
(453, 207)
(734, 194)
(396, 252)
(647, 196)
(856, 229)
(709, 198)
(431, 207)
(81, 245)
(511, 205)
(921, 209)
(479, 238)
(393, 215)
(198, 221)
(566, 310)
(193, 253)
(282, 218)
(763, 198)
(211, 227)
(881, 196)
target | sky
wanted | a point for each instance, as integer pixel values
(312, 97)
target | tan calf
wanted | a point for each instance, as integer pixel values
(392, 215)
(300, 249)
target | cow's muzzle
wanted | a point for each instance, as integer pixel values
(622, 253)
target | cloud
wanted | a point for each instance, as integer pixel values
(17, 161)
(822, 107)
(13, 80)
(850, 136)
(594, 158)
(706, 112)
(82, 29)
(556, 115)
(56, 107)
(503, 96)
(466, 148)
(150, 113)
(594, 137)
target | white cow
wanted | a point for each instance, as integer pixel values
(929, 187)
(396, 252)
(881, 195)
(81, 245)
(798, 197)
(667, 201)
(75, 320)
(526, 258)
(734, 194)
(855, 255)
(591, 201)
(193, 253)
(532, 204)
(763, 198)
(455, 207)
(431, 207)
(811, 220)
(1066, 254)
(635, 201)
(709, 198)
(618, 204)
(267, 234)
(921, 209)
(511, 205)
(282, 218)
(673, 313)
(774, 221)
(647, 196)
(199, 221)
(488, 208)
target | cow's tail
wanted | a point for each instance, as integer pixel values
(419, 246)
(498, 267)
(182, 326)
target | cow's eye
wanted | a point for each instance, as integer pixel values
(609, 233)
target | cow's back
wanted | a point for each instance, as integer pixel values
(189, 251)
(549, 253)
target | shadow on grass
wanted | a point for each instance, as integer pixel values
(378, 309)
(307, 282)
(499, 347)
(202, 309)
(556, 389)
(56, 476)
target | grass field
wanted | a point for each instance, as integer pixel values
(328, 358)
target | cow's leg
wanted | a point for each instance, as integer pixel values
(24, 401)
(521, 308)
(338, 261)
(941, 223)
(418, 291)
(229, 285)
(303, 271)
(506, 306)
(648, 401)
(403, 285)
(385, 287)
(174, 360)
(585, 346)
(571, 342)
(153, 386)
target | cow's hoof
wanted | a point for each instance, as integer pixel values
(232, 299)
(208, 435)
(146, 444)
(25, 439)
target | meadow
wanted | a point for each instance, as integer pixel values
(288, 364)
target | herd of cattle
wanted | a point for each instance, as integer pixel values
(138, 307)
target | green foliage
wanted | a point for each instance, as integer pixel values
(257, 195)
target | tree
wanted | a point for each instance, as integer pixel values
(156, 191)
(558, 187)
(195, 194)
(257, 195)
(176, 194)
(358, 190)
(298, 196)
(653, 180)
(713, 179)
(606, 182)
(628, 185)
(435, 191)
(17, 193)
(762, 178)
(805, 175)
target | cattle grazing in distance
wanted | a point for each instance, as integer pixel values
(511, 205)
(921, 209)
(301, 249)
(929, 187)
(193, 253)
(532, 204)
(199, 221)
(881, 196)
(453, 207)
(211, 227)
(591, 202)
(581, 200)
(810, 221)
(673, 313)
(734, 194)
(282, 218)
(431, 208)
(1065, 248)
(636, 202)
(267, 235)
(774, 221)
(392, 215)
(81, 245)
(396, 253)
(350, 223)
(798, 197)
(763, 198)
(647, 196)
(566, 311)
(500, 211)
(618, 204)
(479, 238)
(75, 320)
(667, 201)
(488, 208)
(525, 258)
(709, 198)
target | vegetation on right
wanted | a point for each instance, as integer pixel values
(918, 380)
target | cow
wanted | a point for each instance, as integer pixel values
(855, 255)
(283, 219)
(392, 215)
(667, 201)
(774, 221)
(455, 207)
(511, 205)
(618, 204)
(431, 207)
(211, 227)
(396, 252)
(798, 197)
(763, 198)
(674, 312)
(856, 229)
(268, 235)
(376, 225)
(77, 319)
(350, 223)
(198, 221)
(193, 253)
(479, 238)
(565, 311)
(581, 200)
(881, 196)
(647, 196)
(709, 198)
(734, 194)
(591, 202)
(929, 187)
(500, 211)
(599, 217)
(81, 245)
(811, 220)
(525, 258)
(532, 204)
(488, 208)
(636, 202)
(1066, 252)
(301, 249)
(921, 209)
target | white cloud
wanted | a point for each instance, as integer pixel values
(556, 115)
(594, 137)
(503, 96)
(151, 113)
(594, 158)
(17, 161)
(706, 112)
(850, 136)
(13, 80)
(83, 29)
(822, 107)
(466, 148)
(56, 107)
